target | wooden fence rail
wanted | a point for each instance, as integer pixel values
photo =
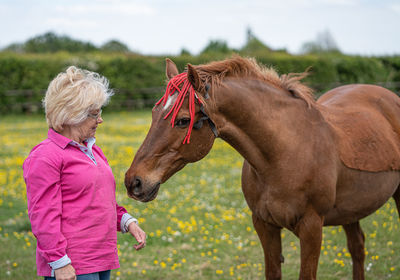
(29, 101)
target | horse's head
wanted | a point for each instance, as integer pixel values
(176, 136)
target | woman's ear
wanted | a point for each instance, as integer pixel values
(170, 69)
(193, 77)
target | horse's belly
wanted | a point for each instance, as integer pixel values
(361, 193)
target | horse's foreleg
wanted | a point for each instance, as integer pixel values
(355, 243)
(396, 198)
(270, 237)
(309, 231)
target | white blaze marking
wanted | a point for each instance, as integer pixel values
(170, 101)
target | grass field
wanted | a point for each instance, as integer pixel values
(199, 227)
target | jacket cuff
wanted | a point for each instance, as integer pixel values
(59, 263)
(126, 220)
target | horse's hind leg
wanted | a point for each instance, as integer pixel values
(270, 237)
(355, 243)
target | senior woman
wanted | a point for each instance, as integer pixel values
(70, 186)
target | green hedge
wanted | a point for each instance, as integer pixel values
(132, 75)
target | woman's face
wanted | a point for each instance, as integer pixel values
(87, 128)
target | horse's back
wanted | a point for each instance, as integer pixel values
(366, 122)
(357, 95)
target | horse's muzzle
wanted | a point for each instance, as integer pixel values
(137, 190)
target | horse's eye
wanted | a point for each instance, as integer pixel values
(184, 122)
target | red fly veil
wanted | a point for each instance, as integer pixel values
(186, 89)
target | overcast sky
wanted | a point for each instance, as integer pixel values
(365, 27)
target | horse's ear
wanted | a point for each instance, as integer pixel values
(193, 77)
(170, 69)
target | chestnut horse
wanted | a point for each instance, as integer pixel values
(307, 163)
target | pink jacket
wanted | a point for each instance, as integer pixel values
(72, 206)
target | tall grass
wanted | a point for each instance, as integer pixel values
(199, 227)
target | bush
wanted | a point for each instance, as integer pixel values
(134, 76)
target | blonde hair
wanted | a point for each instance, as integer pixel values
(72, 94)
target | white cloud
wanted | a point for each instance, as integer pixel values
(56, 22)
(159, 26)
(6, 9)
(118, 8)
(395, 7)
(345, 3)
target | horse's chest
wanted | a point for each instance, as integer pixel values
(282, 211)
(274, 200)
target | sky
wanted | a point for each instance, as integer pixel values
(156, 27)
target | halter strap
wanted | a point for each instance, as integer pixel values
(210, 122)
(199, 123)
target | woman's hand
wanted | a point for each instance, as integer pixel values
(65, 273)
(139, 234)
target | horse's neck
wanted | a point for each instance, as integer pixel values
(262, 122)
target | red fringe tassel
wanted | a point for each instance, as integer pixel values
(186, 89)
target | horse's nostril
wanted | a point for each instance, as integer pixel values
(137, 183)
(137, 186)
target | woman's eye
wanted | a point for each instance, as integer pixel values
(184, 122)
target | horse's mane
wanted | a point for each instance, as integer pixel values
(237, 66)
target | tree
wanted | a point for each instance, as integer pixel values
(114, 46)
(324, 43)
(253, 44)
(185, 51)
(15, 47)
(51, 42)
(216, 46)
